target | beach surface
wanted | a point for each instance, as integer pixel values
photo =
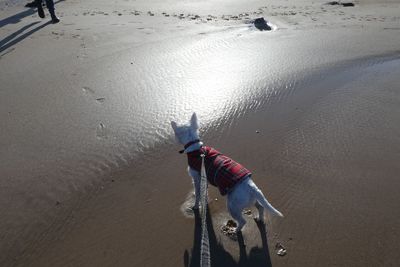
(89, 170)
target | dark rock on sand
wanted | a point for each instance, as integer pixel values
(334, 3)
(261, 24)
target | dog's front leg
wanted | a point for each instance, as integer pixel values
(196, 183)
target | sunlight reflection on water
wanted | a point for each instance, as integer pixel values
(218, 77)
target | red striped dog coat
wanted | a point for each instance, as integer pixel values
(222, 171)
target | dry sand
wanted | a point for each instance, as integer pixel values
(89, 174)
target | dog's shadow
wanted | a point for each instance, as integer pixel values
(219, 256)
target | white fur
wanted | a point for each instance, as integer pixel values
(243, 195)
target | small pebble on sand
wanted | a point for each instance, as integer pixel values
(281, 249)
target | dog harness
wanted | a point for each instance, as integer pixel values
(222, 171)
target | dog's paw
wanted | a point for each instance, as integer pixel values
(259, 220)
(238, 231)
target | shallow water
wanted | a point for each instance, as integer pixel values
(221, 77)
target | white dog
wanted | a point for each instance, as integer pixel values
(231, 178)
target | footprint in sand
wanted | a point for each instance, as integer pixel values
(87, 90)
(101, 131)
(229, 229)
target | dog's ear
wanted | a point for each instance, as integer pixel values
(194, 123)
(174, 126)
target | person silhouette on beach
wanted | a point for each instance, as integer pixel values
(50, 7)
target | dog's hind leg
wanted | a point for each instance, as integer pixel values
(196, 184)
(237, 216)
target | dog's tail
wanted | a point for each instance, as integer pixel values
(264, 202)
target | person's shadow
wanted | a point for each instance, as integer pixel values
(219, 256)
(15, 37)
(14, 19)
(19, 16)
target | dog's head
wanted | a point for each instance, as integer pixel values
(188, 132)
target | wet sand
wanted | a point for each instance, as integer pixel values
(91, 175)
